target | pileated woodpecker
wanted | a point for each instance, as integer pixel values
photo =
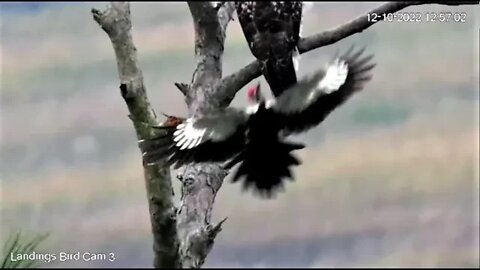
(253, 136)
(272, 30)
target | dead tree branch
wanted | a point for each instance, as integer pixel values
(116, 22)
(359, 24)
(235, 81)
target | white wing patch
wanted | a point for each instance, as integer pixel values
(270, 103)
(334, 77)
(187, 136)
(252, 109)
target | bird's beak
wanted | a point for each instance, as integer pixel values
(164, 114)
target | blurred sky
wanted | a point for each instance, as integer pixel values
(389, 179)
(28, 7)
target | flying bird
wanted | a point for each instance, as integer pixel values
(272, 31)
(255, 136)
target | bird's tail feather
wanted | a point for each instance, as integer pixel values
(265, 168)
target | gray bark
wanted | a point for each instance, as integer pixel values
(115, 21)
(184, 238)
(201, 182)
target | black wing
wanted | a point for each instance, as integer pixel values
(309, 102)
(272, 31)
(214, 138)
(265, 161)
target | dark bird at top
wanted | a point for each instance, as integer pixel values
(272, 31)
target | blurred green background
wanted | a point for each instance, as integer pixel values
(389, 179)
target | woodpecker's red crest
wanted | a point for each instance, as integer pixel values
(253, 93)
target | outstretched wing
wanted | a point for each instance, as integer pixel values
(308, 103)
(214, 137)
(272, 31)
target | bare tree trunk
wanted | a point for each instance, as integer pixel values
(184, 238)
(117, 24)
(201, 182)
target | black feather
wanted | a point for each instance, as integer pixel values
(264, 169)
(272, 31)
